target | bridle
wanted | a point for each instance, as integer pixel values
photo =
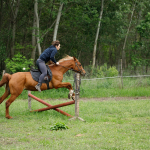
(76, 65)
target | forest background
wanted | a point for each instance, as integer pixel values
(96, 32)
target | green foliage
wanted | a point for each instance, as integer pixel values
(140, 49)
(111, 72)
(101, 71)
(18, 46)
(18, 63)
(104, 67)
(144, 27)
(77, 29)
(97, 72)
(59, 126)
(136, 61)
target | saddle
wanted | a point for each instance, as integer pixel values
(35, 73)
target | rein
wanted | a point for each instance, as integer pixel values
(71, 68)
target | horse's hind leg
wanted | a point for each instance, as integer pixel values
(5, 95)
(8, 103)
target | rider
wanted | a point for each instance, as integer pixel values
(48, 54)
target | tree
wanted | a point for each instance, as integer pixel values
(123, 50)
(97, 33)
(37, 25)
(34, 45)
(77, 29)
(14, 10)
(57, 22)
(141, 47)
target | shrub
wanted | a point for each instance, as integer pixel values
(59, 126)
(100, 72)
(104, 67)
(97, 72)
(18, 63)
(111, 72)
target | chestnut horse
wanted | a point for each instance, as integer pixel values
(20, 81)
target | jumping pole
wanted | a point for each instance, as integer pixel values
(55, 107)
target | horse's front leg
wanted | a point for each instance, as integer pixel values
(71, 94)
(68, 86)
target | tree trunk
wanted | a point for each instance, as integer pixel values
(57, 22)
(33, 38)
(123, 50)
(37, 25)
(13, 39)
(97, 33)
(110, 56)
(1, 15)
(14, 14)
(101, 54)
(34, 44)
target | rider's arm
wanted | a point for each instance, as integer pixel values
(52, 56)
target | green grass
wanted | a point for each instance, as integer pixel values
(113, 125)
(132, 87)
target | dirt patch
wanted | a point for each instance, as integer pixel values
(114, 98)
(104, 98)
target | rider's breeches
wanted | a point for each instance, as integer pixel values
(42, 67)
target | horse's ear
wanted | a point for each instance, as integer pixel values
(74, 58)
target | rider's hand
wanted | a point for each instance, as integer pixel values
(57, 63)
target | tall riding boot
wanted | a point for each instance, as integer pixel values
(38, 87)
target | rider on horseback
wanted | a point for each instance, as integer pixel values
(47, 55)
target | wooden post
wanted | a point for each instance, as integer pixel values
(3, 72)
(29, 101)
(77, 93)
(77, 86)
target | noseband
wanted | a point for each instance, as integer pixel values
(76, 65)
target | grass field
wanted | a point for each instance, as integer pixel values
(110, 125)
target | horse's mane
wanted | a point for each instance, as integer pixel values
(67, 57)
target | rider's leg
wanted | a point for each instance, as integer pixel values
(43, 70)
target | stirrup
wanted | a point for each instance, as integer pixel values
(38, 87)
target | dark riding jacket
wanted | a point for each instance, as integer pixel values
(49, 54)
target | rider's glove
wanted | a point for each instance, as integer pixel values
(57, 63)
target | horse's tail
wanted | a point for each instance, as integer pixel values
(5, 79)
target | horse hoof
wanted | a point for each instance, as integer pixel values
(9, 117)
(73, 97)
(69, 96)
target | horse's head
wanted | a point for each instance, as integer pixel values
(78, 67)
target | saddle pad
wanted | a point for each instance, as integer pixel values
(36, 74)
